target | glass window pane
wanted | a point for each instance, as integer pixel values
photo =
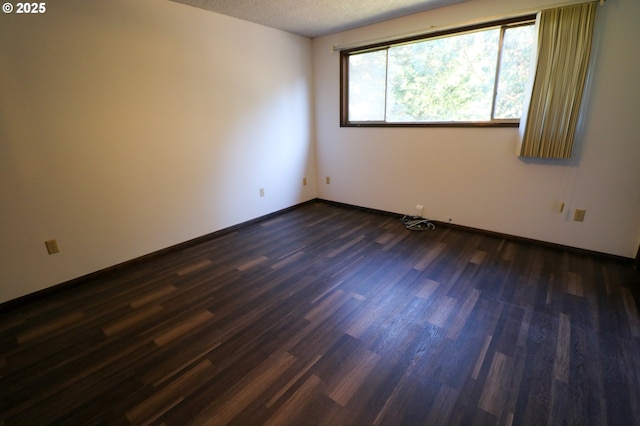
(367, 82)
(517, 48)
(445, 79)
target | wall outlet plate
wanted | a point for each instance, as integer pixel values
(52, 246)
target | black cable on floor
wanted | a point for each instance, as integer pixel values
(417, 223)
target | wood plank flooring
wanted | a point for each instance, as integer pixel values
(335, 316)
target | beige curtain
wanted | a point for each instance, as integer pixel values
(564, 45)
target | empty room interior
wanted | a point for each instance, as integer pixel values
(203, 223)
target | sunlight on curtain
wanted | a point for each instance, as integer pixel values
(564, 46)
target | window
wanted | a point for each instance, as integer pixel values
(471, 76)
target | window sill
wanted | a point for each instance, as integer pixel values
(438, 124)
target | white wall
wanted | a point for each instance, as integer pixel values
(130, 126)
(471, 175)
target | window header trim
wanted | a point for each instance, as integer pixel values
(518, 20)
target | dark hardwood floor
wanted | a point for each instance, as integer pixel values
(337, 316)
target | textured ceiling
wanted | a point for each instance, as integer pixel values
(315, 18)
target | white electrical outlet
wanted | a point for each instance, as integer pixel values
(419, 209)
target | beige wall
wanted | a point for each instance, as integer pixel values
(472, 175)
(130, 126)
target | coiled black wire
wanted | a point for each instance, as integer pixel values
(417, 223)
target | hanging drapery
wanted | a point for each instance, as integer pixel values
(549, 123)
